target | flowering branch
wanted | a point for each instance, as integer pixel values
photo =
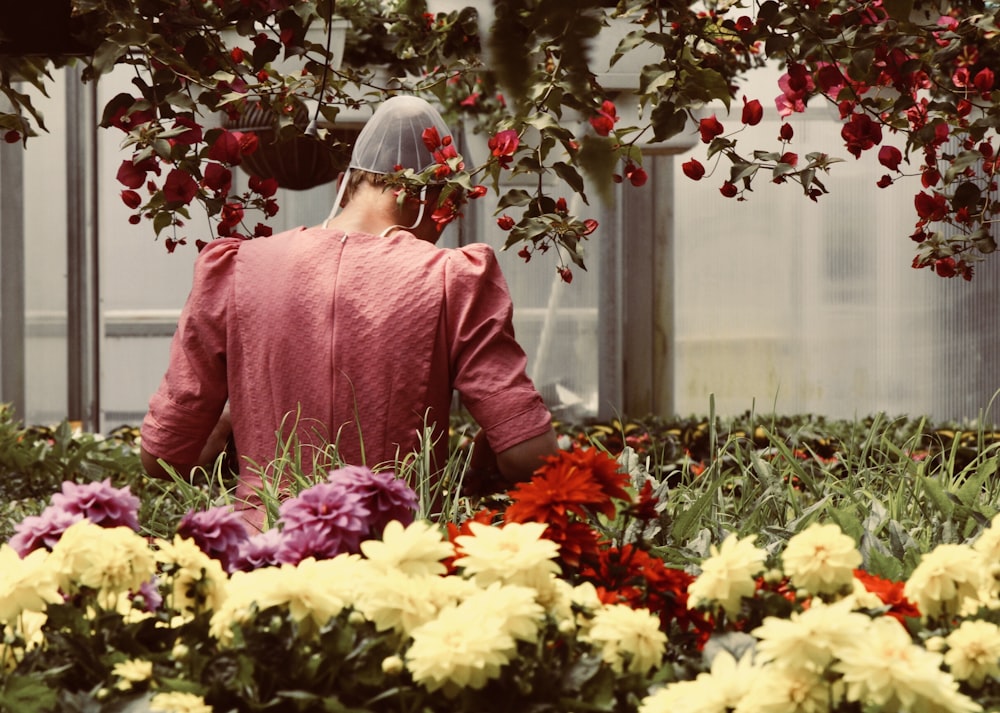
(900, 69)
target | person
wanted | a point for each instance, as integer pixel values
(355, 332)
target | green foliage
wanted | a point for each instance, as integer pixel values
(899, 486)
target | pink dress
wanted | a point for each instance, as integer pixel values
(354, 339)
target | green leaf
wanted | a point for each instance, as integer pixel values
(598, 159)
(964, 160)
(689, 520)
(654, 78)
(711, 85)
(667, 120)
(162, 220)
(26, 694)
(966, 195)
(514, 197)
(936, 495)
(571, 176)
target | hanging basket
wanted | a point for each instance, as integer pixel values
(297, 160)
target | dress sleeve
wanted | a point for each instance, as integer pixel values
(193, 392)
(488, 366)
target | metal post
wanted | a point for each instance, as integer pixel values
(82, 286)
(12, 295)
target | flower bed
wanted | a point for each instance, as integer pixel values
(806, 567)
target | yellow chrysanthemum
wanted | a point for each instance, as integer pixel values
(516, 607)
(988, 542)
(178, 702)
(628, 639)
(459, 649)
(812, 638)
(948, 579)
(416, 550)
(312, 592)
(787, 690)
(697, 696)
(111, 561)
(884, 668)
(514, 554)
(398, 602)
(132, 671)
(974, 652)
(24, 635)
(727, 576)
(821, 559)
(197, 582)
(28, 584)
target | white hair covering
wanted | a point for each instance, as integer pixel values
(392, 140)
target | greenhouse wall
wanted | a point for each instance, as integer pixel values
(776, 303)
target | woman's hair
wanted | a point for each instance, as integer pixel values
(357, 178)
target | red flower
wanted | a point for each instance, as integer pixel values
(505, 222)
(557, 492)
(477, 192)
(885, 181)
(227, 148)
(728, 189)
(890, 156)
(710, 128)
(191, 134)
(891, 593)
(236, 54)
(262, 231)
(126, 119)
(930, 207)
(264, 187)
(132, 199)
(12, 136)
(786, 132)
(431, 138)
(790, 158)
(232, 214)
(503, 145)
(578, 542)
(604, 468)
(445, 213)
(179, 187)
(606, 118)
(860, 134)
(693, 169)
(218, 178)
(130, 175)
(636, 174)
(566, 274)
(796, 86)
(471, 100)
(983, 81)
(945, 267)
(590, 225)
(172, 244)
(248, 142)
(753, 112)
(830, 78)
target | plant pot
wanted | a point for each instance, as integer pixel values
(297, 160)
